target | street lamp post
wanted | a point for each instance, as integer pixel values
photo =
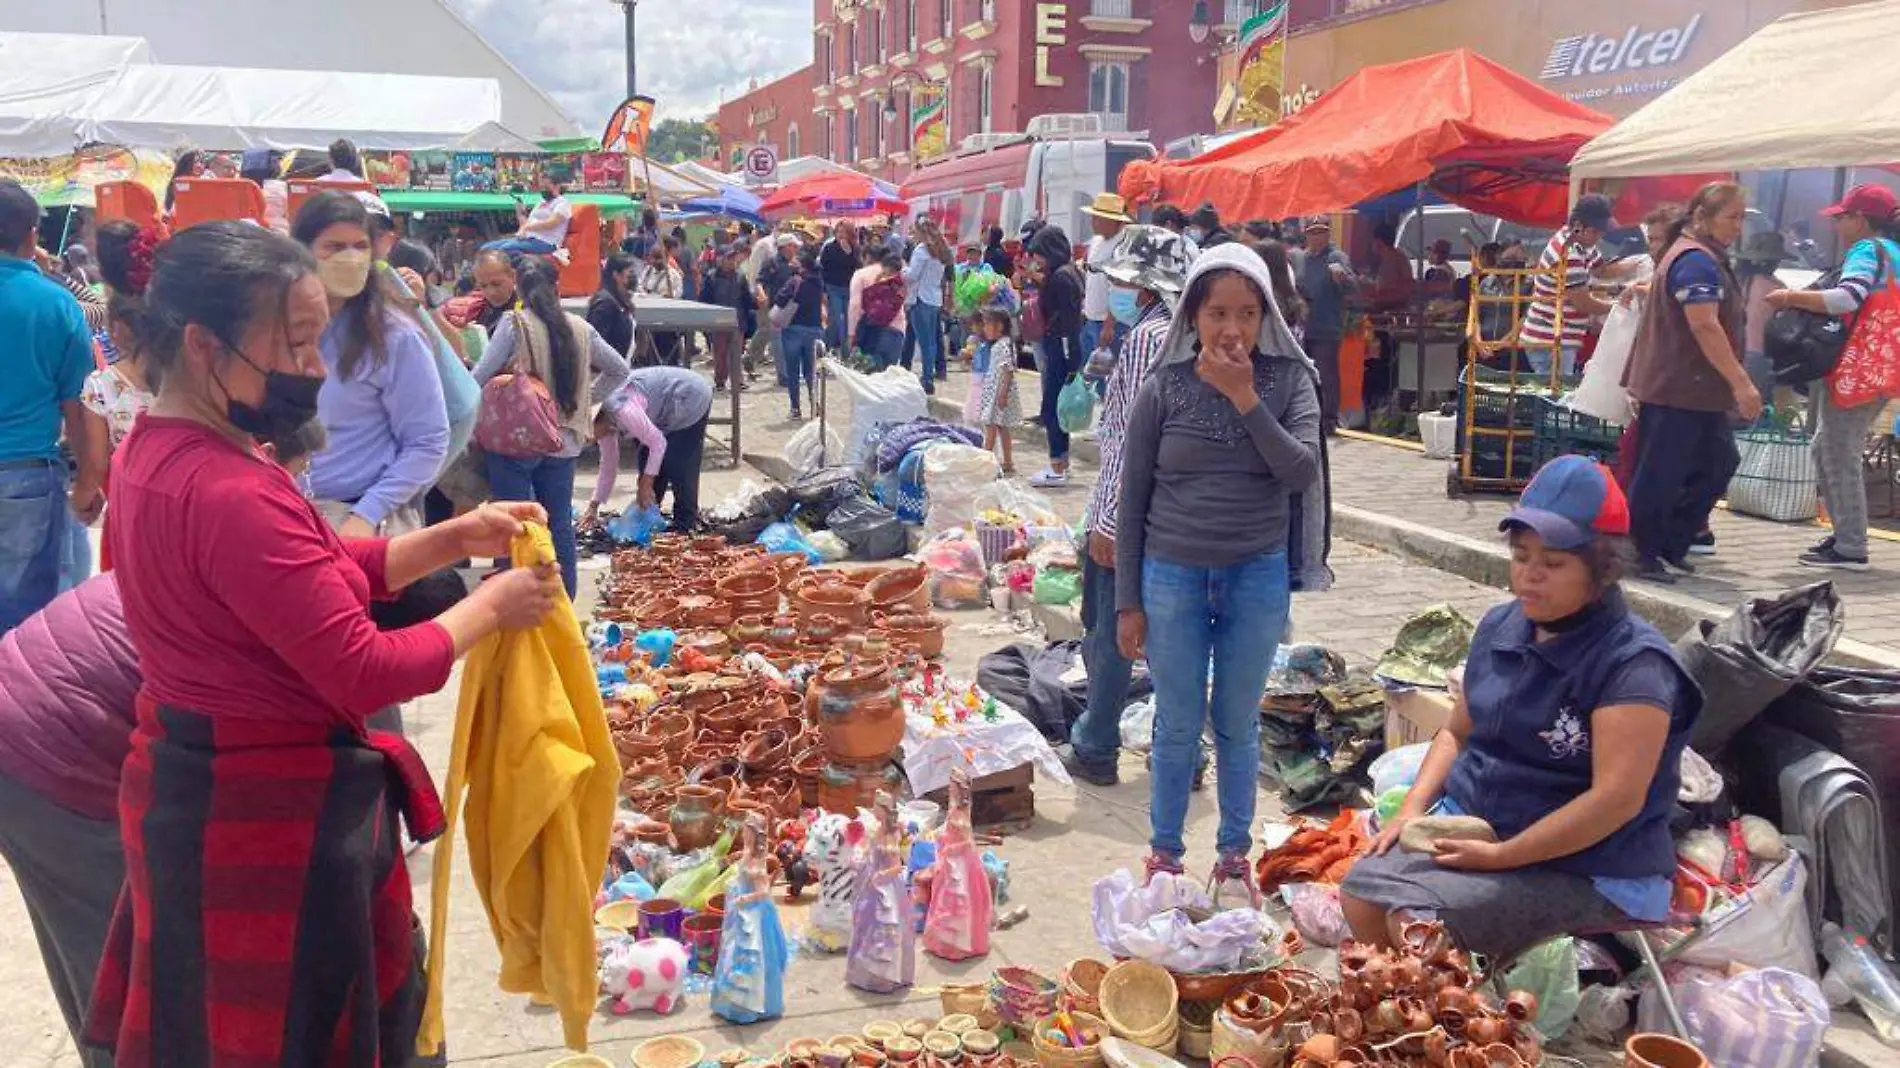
(633, 47)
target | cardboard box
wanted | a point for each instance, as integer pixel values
(1413, 716)
(1003, 801)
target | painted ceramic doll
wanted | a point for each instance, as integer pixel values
(749, 980)
(883, 940)
(957, 927)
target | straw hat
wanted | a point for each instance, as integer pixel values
(1109, 206)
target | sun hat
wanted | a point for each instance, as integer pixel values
(1149, 257)
(1875, 200)
(1570, 502)
(1316, 222)
(1109, 206)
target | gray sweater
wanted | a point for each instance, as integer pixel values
(1205, 486)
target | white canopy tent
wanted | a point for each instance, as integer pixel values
(670, 182)
(494, 137)
(1814, 89)
(231, 107)
(712, 179)
(46, 79)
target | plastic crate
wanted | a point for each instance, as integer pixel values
(1561, 431)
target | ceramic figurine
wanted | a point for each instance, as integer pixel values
(957, 927)
(828, 854)
(647, 974)
(749, 980)
(883, 938)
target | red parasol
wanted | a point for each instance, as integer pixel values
(832, 196)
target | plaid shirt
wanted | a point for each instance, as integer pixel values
(1139, 353)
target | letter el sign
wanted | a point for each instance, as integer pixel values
(1052, 28)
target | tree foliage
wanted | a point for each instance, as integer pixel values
(678, 140)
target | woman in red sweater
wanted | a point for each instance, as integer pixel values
(266, 913)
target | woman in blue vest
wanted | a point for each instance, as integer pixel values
(1566, 741)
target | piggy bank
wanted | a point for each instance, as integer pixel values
(647, 974)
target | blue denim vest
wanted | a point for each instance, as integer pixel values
(1529, 749)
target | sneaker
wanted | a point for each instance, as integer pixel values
(1682, 564)
(1095, 773)
(1825, 545)
(1158, 863)
(1831, 559)
(1653, 570)
(1232, 884)
(1049, 477)
(1703, 545)
(797, 415)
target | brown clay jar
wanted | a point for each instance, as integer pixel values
(859, 711)
(698, 812)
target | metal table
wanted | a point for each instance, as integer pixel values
(669, 315)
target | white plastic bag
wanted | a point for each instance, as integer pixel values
(1767, 1018)
(1030, 508)
(892, 395)
(953, 474)
(1764, 928)
(1397, 767)
(1602, 394)
(806, 453)
(1138, 726)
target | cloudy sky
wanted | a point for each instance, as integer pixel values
(690, 50)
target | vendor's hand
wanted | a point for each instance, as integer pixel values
(1131, 633)
(356, 527)
(522, 596)
(490, 530)
(1748, 401)
(1468, 854)
(1102, 549)
(87, 504)
(1779, 298)
(1388, 835)
(417, 287)
(592, 515)
(1337, 270)
(646, 497)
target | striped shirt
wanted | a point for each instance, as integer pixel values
(1139, 353)
(1540, 321)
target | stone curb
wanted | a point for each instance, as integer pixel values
(1672, 613)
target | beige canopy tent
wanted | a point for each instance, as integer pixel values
(1812, 89)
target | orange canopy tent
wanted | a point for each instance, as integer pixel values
(1476, 133)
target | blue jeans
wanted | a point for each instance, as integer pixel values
(838, 305)
(800, 347)
(33, 538)
(1540, 360)
(532, 246)
(1060, 359)
(1096, 737)
(1230, 619)
(549, 481)
(883, 344)
(1091, 337)
(926, 322)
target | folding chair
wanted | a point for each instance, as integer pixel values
(1635, 934)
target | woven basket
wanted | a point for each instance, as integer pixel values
(1140, 1003)
(1050, 1055)
(970, 998)
(1019, 995)
(1196, 1040)
(1229, 1039)
(1081, 983)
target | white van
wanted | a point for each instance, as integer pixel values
(1004, 180)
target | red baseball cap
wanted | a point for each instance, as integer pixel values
(1875, 200)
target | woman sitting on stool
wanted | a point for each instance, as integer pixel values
(1565, 740)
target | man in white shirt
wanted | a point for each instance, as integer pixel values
(1107, 215)
(542, 231)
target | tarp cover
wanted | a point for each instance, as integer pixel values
(1813, 89)
(1481, 135)
(231, 107)
(46, 80)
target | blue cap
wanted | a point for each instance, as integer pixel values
(1569, 503)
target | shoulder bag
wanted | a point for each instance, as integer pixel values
(519, 417)
(1869, 367)
(1802, 345)
(785, 309)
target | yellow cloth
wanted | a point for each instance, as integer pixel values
(537, 765)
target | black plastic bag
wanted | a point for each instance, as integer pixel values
(816, 494)
(870, 530)
(1757, 654)
(742, 525)
(1028, 678)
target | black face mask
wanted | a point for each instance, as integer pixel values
(547, 194)
(289, 402)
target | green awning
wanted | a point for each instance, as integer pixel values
(611, 205)
(566, 145)
(446, 200)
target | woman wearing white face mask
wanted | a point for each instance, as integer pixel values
(381, 404)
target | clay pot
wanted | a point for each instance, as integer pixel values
(860, 712)
(820, 629)
(924, 631)
(671, 544)
(698, 812)
(704, 610)
(1417, 1016)
(1453, 1021)
(847, 602)
(1521, 1006)
(846, 786)
(1437, 1048)
(652, 832)
(1387, 1017)
(765, 751)
(1426, 940)
(709, 543)
(720, 769)
(1348, 1025)
(749, 630)
(637, 747)
(750, 592)
(900, 588)
(1323, 1049)
(1645, 1050)
(713, 643)
(783, 633)
(1483, 1030)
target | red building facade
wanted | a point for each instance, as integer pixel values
(777, 114)
(898, 82)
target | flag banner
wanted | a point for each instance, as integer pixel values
(929, 122)
(1253, 70)
(627, 130)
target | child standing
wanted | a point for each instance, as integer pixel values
(1001, 407)
(976, 349)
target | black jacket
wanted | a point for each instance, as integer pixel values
(837, 263)
(612, 321)
(999, 260)
(1063, 287)
(726, 291)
